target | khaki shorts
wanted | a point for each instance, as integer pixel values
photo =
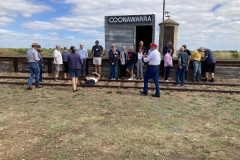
(57, 67)
(97, 60)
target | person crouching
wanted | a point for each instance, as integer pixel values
(75, 64)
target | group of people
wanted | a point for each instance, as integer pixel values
(74, 62)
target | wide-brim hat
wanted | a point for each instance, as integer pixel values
(201, 49)
(34, 44)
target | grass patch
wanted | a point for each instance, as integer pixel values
(117, 124)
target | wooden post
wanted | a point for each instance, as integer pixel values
(15, 64)
(49, 65)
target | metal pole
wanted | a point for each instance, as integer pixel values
(163, 9)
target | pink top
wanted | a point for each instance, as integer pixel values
(167, 60)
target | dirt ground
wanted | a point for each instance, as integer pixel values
(94, 123)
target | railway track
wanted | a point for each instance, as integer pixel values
(134, 84)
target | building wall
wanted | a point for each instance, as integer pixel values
(123, 33)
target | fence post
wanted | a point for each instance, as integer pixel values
(15, 64)
(49, 65)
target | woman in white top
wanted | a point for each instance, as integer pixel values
(140, 64)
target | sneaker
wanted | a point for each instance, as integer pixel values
(112, 78)
(39, 86)
(193, 81)
(137, 78)
(134, 75)
(166, 81)
(140, 79)
(130, 79)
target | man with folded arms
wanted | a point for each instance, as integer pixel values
(32, 57)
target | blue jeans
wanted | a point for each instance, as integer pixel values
(114, 70)
(196, 74)
(181, 73)
(40, 69)
(34, 70)
(151, 72)
(168, 69)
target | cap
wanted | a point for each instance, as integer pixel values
(39, 47)
(154, 45)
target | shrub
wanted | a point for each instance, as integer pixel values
(236, 55)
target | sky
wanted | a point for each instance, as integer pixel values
(212, 24)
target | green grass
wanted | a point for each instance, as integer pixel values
(117, 124)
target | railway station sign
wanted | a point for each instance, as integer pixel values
(130, 19)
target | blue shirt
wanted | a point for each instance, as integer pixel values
(83, 53)
(165, 50)
(210, 58)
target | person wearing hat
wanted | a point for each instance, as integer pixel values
(75, 64)
(154, 60)
(40, 63)
(97, 54)
(210, 64)
(196, 63)
(32, 57)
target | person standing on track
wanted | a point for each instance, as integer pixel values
(84, 55)
(32, 57)
(65, 54)
(40, 63)
(168, 64)
(196, 63)
(154, 60)
(210, 64)
(57, 56)
(75, 64)
(123, 60)
(97, 54)
(189, 56)
(113, 60)
(183, 63)
(131, 60)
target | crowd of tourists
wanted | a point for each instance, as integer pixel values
(74, 63)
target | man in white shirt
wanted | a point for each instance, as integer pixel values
(57, 56)
(154, 60)
(84, 55)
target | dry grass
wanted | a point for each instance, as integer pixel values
(56, 123)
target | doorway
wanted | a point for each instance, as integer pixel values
(145, 34)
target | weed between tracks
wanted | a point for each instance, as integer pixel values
(93, 123)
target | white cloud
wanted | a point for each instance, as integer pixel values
(5, 21)
(200, 25)
(24, 7)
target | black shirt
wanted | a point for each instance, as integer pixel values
(97, 50)
(188, 52)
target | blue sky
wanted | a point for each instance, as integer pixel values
(214, 24)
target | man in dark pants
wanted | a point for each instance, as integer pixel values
(189, 57)
(154, 60)
(183, 63)
(40, 63)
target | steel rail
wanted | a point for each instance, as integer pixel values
(136, 81)
(106, 85)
